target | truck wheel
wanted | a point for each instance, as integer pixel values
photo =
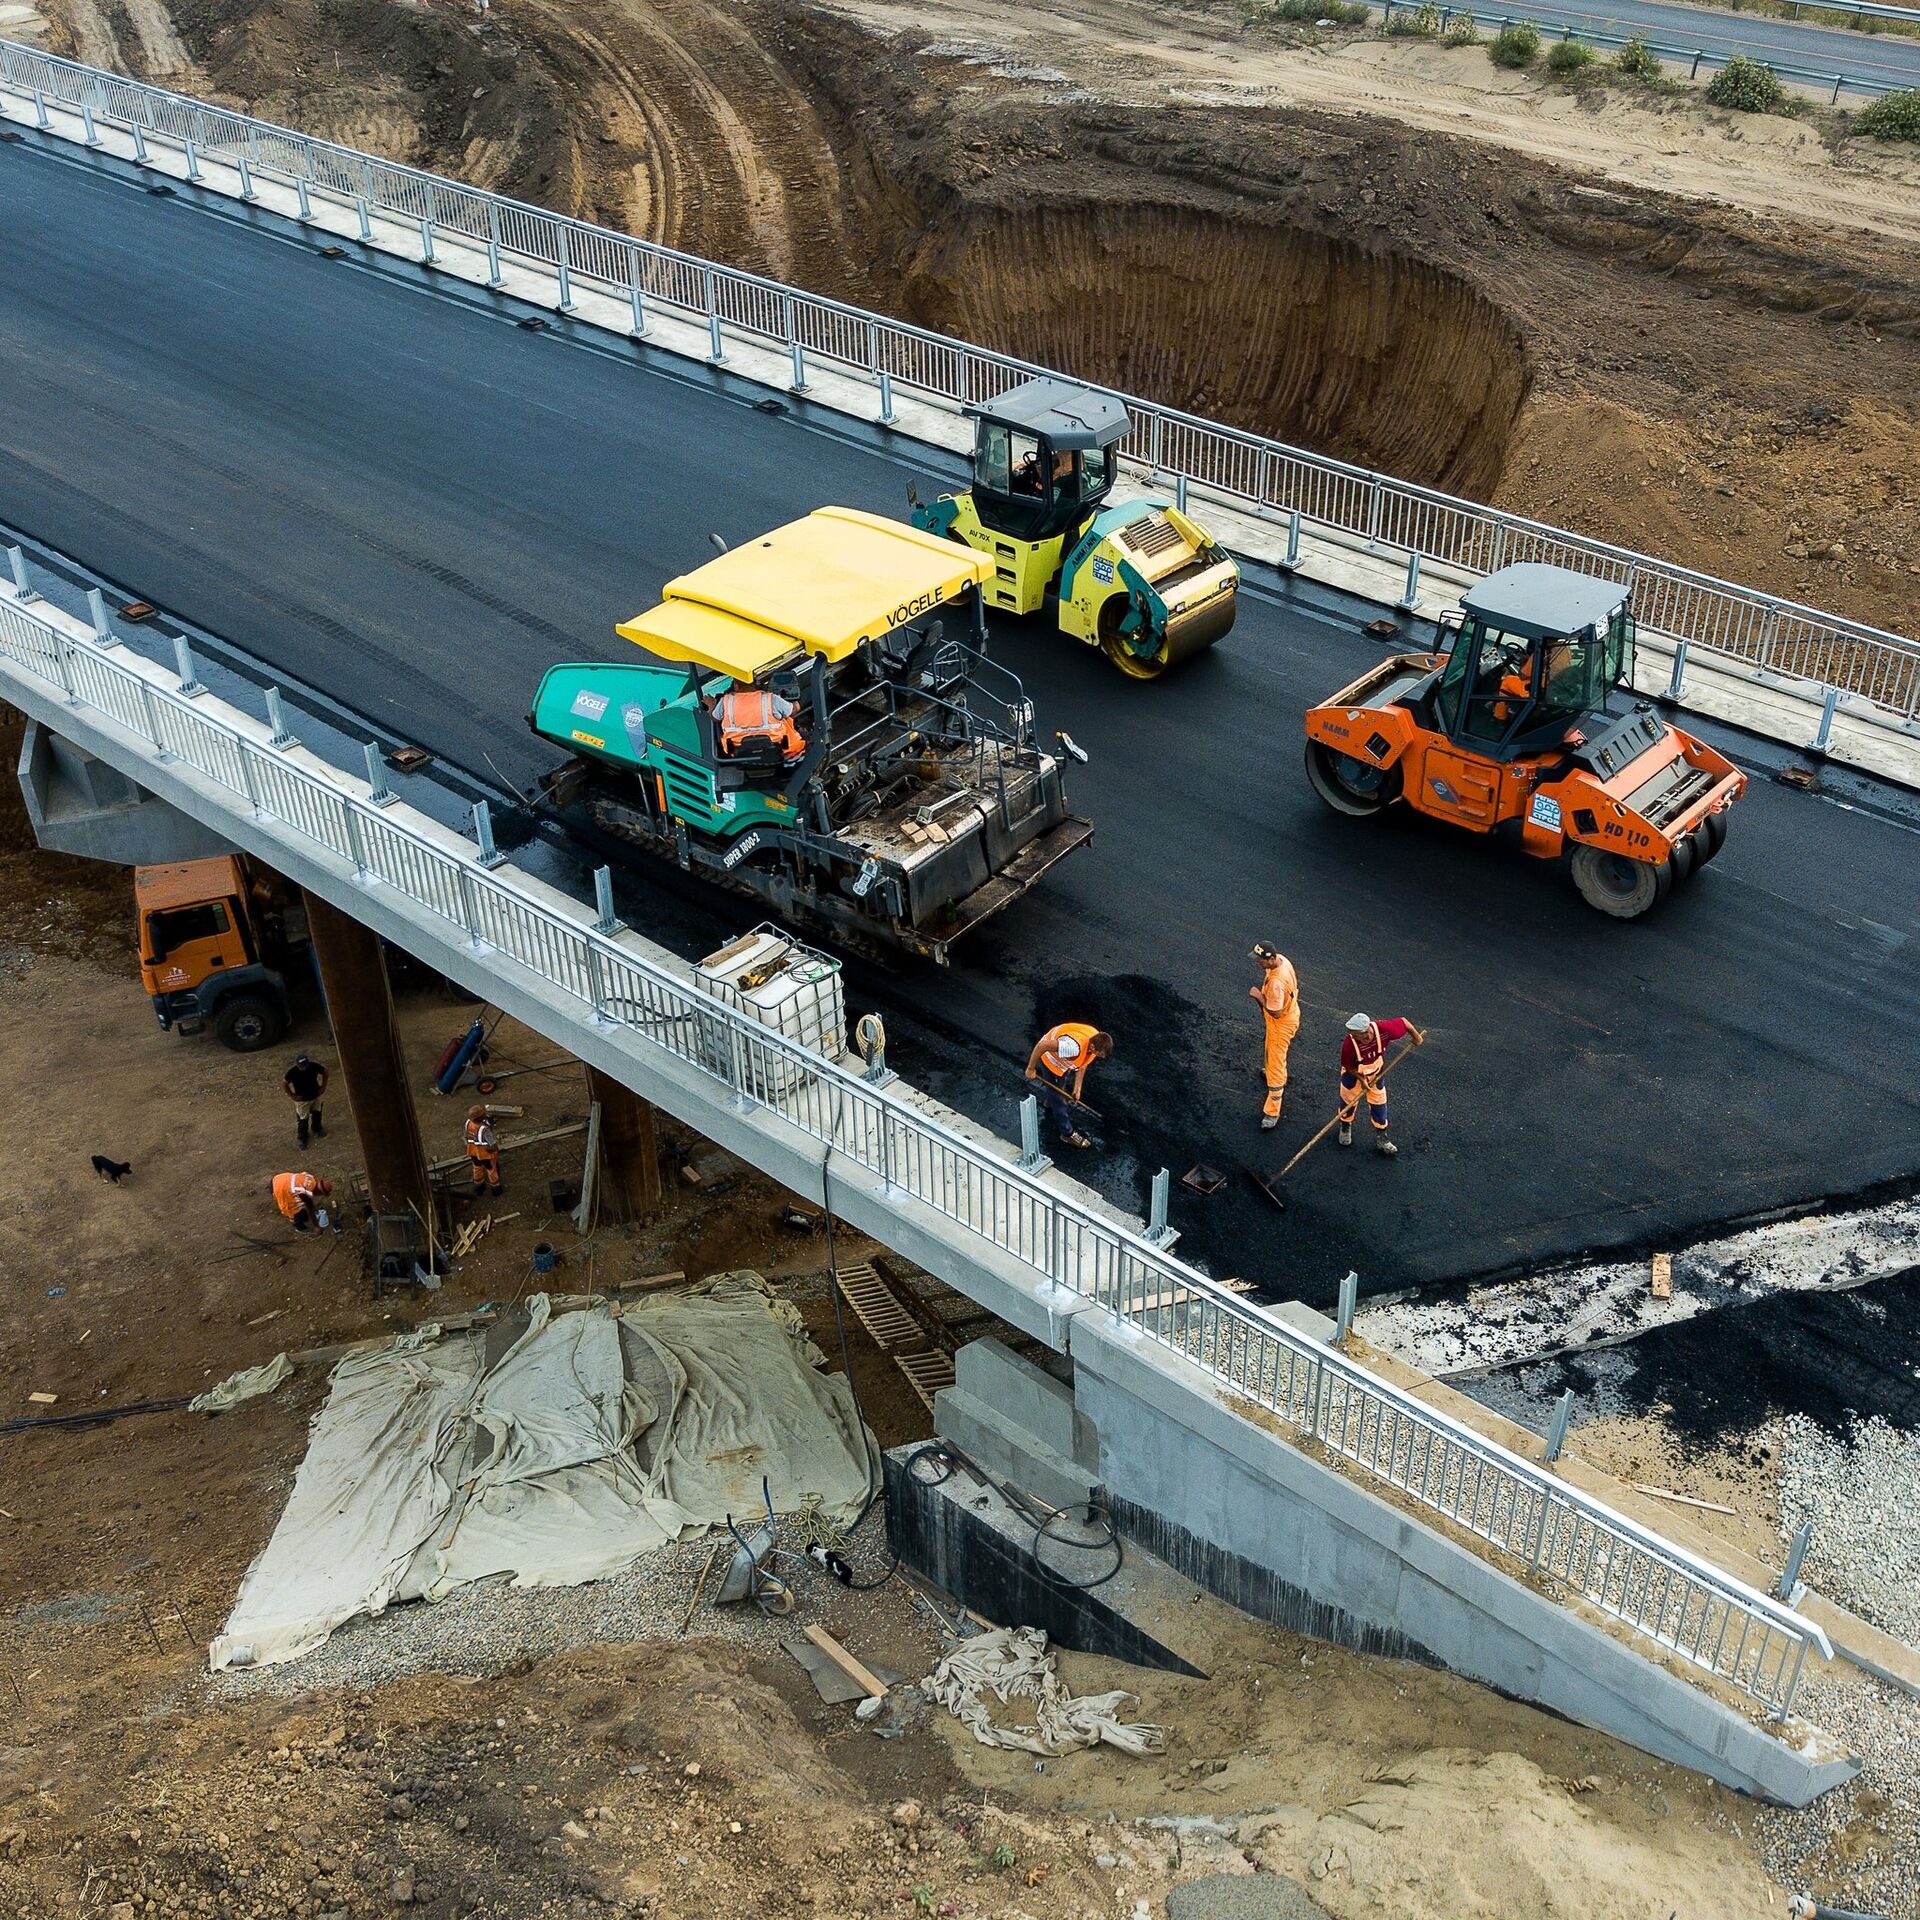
(1348, 785)
(1617, 885)
(246, 1024)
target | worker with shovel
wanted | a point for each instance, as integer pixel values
(1057, 1067)
(1363, 1059)
(1279, 997)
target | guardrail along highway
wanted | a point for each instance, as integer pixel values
(384, 488)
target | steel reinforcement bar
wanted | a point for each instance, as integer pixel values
(1820, 650)
(1441, 1470)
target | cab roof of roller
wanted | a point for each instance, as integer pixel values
(1069, 417)
(825, 584)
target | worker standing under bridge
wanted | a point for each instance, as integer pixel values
(1058, 1065)
(305, 1083)
(1363, 1062)
(483, 1152)
(1279, 996)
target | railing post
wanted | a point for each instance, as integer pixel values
(382, 794)
(1699, 54)
(356, 839)
(1180, 493)
(193, 161)
(469, 904)
(1410, 596)
(1292, 561)
(361, 208)
(152, 717)
(1796, 1555)
(63, 654)
(1821, 739)
(716, 348)
(17, 562)
(489, 855)
(249, 778)
(886, 398)
(799, 381)
(1349, 1300)
(494, 277)
(426, 240)
(597, 982)
(1031, 1158)
(635, 301)
(1375, 500)
(1557, 1429)
(1158, 1232)
(139, 144)
(190, 684)
(277, 720)
(102, 627)
(302, 197)
(86, 120)
(608, 922)
(1678, 678)
(564, 263)
(40, 109)
(246, 178)
(1835, 100)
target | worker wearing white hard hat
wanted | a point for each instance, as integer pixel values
(1363, 1062)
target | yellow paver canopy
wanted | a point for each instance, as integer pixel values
(823, 584)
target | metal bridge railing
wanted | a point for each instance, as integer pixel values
(1822, 651)
(1545, 1530)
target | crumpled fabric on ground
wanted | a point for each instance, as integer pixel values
(1013, 1663)
(248, 1384)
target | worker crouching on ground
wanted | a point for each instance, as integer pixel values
(483, 1152)
(1058, 1068)
(306, 1086)
(1363, 1061)
(298, 1196)
(1279, 996)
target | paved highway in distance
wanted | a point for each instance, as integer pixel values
(409, 501)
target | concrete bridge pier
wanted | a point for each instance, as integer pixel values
(629, 1149)
(366, 1037)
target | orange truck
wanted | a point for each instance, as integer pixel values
(1527, 723)
(217, 937)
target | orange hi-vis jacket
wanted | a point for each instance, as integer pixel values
(293, 1191)
(1080, 1034)
(752, 713)
(482, 1147)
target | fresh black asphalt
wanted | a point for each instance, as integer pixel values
(412, 503)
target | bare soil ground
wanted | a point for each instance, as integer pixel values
(1670, 327)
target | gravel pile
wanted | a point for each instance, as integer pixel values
(490, 1627)
(1859, 1492)
(1860, 1846)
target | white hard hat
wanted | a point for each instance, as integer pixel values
(1360, 1023)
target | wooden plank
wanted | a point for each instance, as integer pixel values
(841, 1658)
(649, 1281)
(43, 1399)
(1684, 1499)
(1663, 1276)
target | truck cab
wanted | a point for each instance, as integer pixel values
(208, 933)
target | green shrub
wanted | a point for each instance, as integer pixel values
(1421, 23)
(1461, 32)
(1894, 116)
(1515, 46)
(1638, 60)
(1565, 58)
(1308, 13)
(1747, 86)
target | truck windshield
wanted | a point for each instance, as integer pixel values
(170, 931)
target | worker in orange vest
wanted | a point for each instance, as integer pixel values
(1279, 996)
(298, 1196)
(483, 1152)
(1058, 1067)
(756, 716)
(1363, 1060)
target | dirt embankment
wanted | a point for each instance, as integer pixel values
(1730, 390)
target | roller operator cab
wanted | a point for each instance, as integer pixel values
(1141, 580)
(1529, 718)
(809, 719)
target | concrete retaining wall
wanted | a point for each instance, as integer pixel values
(1253, 1519)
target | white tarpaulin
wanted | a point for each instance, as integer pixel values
(1012, 1663)
(594, 1437)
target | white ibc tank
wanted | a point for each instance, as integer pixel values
(793, 989)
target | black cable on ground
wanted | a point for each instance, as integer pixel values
(98, 1417)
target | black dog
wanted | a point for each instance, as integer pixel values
(114, 1170)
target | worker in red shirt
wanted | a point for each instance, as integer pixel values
(1363, 1060)
(1058, 1067)
(1279, 996)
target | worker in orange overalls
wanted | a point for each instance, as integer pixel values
(1058, 1067)
(756, 716)
(483, 1152)
(298, 1196)
(1363, 1060)
(1279, 996)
